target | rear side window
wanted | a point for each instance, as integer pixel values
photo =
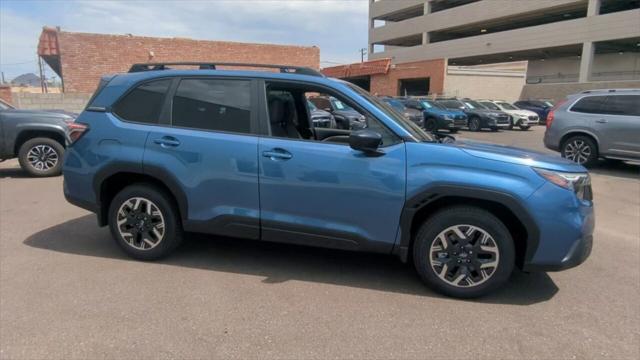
(144, 103)
(589, 105)
(622, 105)
(213, 104)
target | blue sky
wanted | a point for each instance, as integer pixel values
(338, 27)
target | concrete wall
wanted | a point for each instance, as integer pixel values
(560, 91)
(496, 87)
(606, 67)
(68, 102)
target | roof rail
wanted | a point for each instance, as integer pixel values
(608, 90)
(212, 66)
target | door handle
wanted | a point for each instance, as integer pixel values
(167, 141)
(277, 154)
(601, 121)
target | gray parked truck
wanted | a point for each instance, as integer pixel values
(596, 124)
(36, 137)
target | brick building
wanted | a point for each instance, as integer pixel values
(81, 58)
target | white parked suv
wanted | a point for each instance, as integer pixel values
(522, 118)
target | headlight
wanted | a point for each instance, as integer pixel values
(447, 117)
(580, 183)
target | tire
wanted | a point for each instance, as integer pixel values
(142, 226)
(511, 124)
(524, 127)
(474, 124)
(498, 250)
(494, 129)
(41, 157)
(453, 131)
(430, 125)
(580, 149)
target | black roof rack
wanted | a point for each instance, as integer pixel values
(212, 66)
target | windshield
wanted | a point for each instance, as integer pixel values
(430, 104)
(5, 106)
(339, 105)
(508, 106)
(397, 117)
(311, 106)
(548, 103)
(451, 104)
(473, 104)
(395, 104)
(490, 105)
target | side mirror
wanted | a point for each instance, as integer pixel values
(365, 140)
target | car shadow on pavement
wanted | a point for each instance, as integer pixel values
(278, 263)
(15, 173)
(617, 169)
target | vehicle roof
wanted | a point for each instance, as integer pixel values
(120, 83)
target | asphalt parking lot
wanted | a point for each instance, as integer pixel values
(67, 291)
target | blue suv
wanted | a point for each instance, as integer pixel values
(234, 153)
(437, 116)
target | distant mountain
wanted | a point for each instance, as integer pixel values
(29, 79)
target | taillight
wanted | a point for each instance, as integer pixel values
(76, 130)
(552, 112)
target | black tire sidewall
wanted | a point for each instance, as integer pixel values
(524, 128)
(474, 120)
(30, 144)
(594, 149)
(469, 216)
(173, 226)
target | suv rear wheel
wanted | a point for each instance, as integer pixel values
(144, 222)
(474, 124)
(41, 157)
(463, 252)
(580, 149)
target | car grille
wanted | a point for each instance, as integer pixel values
(533, 117)
(321, 122)
(502, 119)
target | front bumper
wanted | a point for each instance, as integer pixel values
(566, 226)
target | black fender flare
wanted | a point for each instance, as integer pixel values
(433, 193)
(159, 174)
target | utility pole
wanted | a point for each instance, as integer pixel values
(363, 52)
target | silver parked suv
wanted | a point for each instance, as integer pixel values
(595, 124)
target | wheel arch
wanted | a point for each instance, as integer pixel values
(503, 205)
(28, 134)
(585, 133)
(109, 183)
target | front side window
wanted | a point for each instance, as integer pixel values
(144, 103)
(589, 105)
(213, 104)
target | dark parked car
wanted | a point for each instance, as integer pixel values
(216, 151)
(436, 116)
(36, 137)
(345, 116)
(321, 118)
(540, 107)
(409, 113)
(595, 124)
(479, 116)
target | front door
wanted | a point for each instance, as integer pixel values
(620, 122)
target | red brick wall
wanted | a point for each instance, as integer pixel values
(86, 57)
(5, 93)
(389, 84)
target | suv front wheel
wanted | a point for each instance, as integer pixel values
(144, 222)
(580, 149)
(463, 252)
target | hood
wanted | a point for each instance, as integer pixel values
(51, 114)
(320, 113)
(520, 112)
(518, 156)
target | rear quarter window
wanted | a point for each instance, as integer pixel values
(622, 105)
(144, 103)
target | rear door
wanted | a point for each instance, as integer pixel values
(208, 152)
(586, 114)
(621, 117)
